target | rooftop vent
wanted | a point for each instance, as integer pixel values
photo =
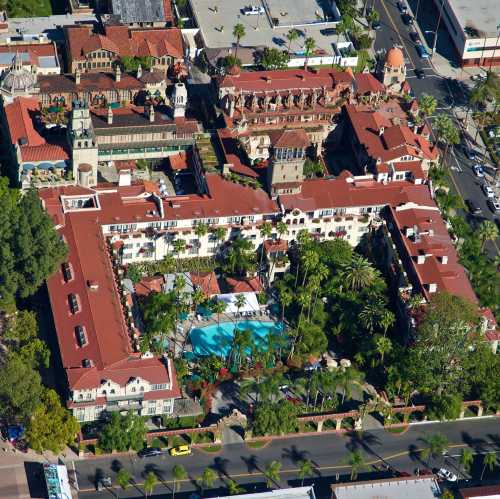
(67, 272)
(86, 363)
(93, 285)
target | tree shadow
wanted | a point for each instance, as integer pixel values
(362, 440)
(414, 454)
(220, 466)
(251, 463)
(478, 444)
(153, 468)
(116, 465)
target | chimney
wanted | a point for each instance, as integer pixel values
(444, 259)
(78, 75)
(118, 73)
(110, 116)
(432, 287)
(93, 285)
(139, 71)
(151, 114)
(420, 259)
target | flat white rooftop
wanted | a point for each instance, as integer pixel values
(392, 488)
(477, 14)
(295, 493)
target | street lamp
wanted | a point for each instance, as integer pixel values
(496, 44)
(437, 29)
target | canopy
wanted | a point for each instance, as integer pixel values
(251, 303)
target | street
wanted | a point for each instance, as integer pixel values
(328, 452)
(450, 93)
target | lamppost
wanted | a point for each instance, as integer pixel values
(496, 45)
(437, 29)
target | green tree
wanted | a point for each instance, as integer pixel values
(359, 273)
(266, 229)
(356, 462)
(487, 231)
(291, 36)
(373, 16)
(490, 461)
(436, 446)
(178, 247)
(179, 473)
(345, 24)
(228, 62)
(131, 63)
(275, 418)
(272, 474)
(51, 426)
(447, 132)
(21, 389)
(218, 307)
(427, 104)
(273, 58)
(238, 33)
(234, 488)
(159, 312)
(305, 470)
(150, 483)
(466, 459)
(448, 202)
(281, 229)
(383, 346)
(123, 432)
(309, 46)
(123, 477)
(207, 479)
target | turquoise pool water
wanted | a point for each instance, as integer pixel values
(216, 339)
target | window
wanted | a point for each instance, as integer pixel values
(67, 272)
(326, 213)
(80, 415)
(73, 303)
(81, 337)
(152, 410)
(159, 386)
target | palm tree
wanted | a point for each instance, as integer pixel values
(345, 24)
(387, 320)
(178, 473)
(292, 35)
(437, 446)
(427, 104)
(309, 45)
(447, 132)
(282, 229)
(487, 231)
(197, 298)
(286, 298)
(179, 246)
(272, 474)
(383, 345)
(207, 479)
(238, 33)
(123, 478)
(359, 273)
(150, 482)
(265, 230)
(200, 230)
(218, 235)
(309, 261)
(370, 316)
(490, 461)
(466, 459)
(233, 488)
(240, 302)
(356, 462)
(305, 469)
(448, 202)
(218, 307)
(347, 377)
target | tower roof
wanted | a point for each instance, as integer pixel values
(395, 58)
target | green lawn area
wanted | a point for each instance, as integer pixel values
(258, 444)
(212, 448)
(29, 8)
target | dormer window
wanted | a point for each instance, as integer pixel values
(67, 271)
(81, 337)
(73, 303)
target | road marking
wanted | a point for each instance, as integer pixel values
(382, 2)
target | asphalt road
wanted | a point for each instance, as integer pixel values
(450, 93)
(328, 452)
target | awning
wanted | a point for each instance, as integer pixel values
(45, 166)
(251, 303)
(28, 166)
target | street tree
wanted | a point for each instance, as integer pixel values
(291, 36)
(309, 46)
(447, 132)
(51, 426)
(305, 470)
(179, 473)
(238, 32)
(466, 459)
(150, 483)
(356, 462)
(207, 479)
(123, 477)
(427, 104)
(123, 432)
(436, 445)
(234, 488)
(272, 474)
(487, 231)
(490, 461)
(273, 58)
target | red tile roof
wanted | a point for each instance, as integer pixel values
(433, 245)
(271, 245)
(148, 285)
(178, 161)
(245, 285)
(366, 83)
(34, 51)
(46, 152)
(206, 281)
(290, 138)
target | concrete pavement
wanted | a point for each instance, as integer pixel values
(328, 452)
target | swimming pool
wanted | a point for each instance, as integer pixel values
(217, 338)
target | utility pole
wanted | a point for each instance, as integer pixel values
(437, 29)
(496, 44)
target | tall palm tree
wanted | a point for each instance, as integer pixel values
(427, 104)
(487, 231)
(234, 488)
(240, 302)
(272, 474)
(437, 445)
(309, 45)
(178, 473)
(150, 482)
(387, 320)
(179, 246)
(200, 231)
(447, 132)
(265, 230)
(309, 261)
(292, 35)
(207, 479)
(466, 459)
(490, 461)
(218, 307)
(305, 470)
(383, 345)
(356, 462)
(123, 478)
(286, 298)
(370, 316)
(281, 229)
(238, 33)
(347, 378)
(359, 273)
(345, 24)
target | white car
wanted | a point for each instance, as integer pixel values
(488, 191)
(447, 475)
(478, 170)
(253, 10)
(494, 205)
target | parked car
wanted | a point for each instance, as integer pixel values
(402, 7)
(376, 25)
(407, 19)
(252, 10)
(474, 208)
(328, 31)
(469, 153)
(181, 450)
(488, 191)
(494, 205)
(478, 171)
(421, 51)
(414, 36)
(103, 483)
(419, 73)
(149, 452)
(445, 474)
